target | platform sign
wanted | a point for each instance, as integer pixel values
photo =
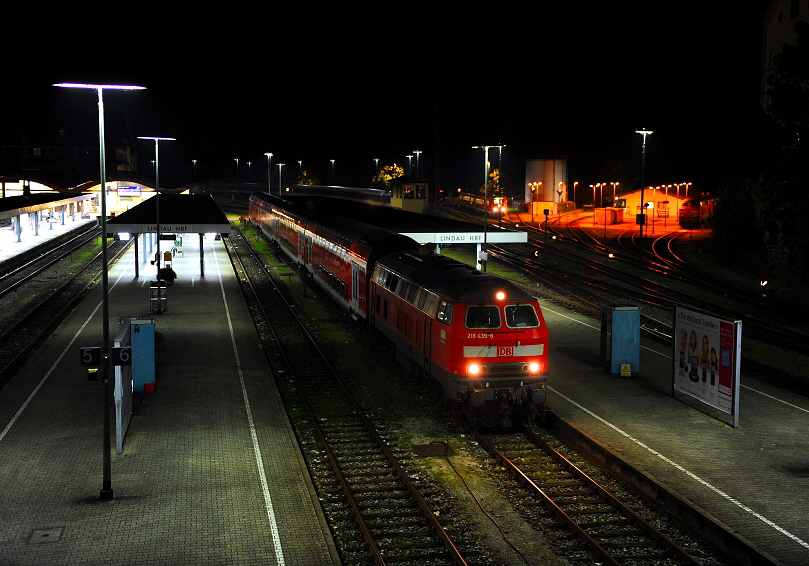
(706, 357)
(90, 356)
(122, 356)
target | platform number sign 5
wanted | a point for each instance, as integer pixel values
(90, 357)
(122, 356)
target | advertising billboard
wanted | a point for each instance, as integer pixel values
(706, 359)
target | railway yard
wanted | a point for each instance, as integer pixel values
(398, 478)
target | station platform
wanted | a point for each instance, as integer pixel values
(753, 479)
(11, 245)
(210, 471)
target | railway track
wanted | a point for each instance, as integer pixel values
(43, 309)
(333, 495)
(581, 277)
(390, 518)
(19, 272)
(603, 529)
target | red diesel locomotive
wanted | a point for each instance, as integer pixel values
(480, 338)
(695, 212)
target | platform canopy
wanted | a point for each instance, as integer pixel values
(11, 207)
(423, 228)
(179, 214)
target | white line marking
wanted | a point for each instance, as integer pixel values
(690, 474)
(276, 539)
(58, 359)
(667, 355)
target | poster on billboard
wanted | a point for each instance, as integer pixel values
(705, 359)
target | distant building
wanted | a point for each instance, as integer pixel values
(408, 193)
(779, 29)
(60, 165)
(546, 185)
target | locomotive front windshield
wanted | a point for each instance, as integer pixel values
(483, 316)
(488, 316)
(521, 316)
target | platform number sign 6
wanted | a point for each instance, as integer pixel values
(90, 357)
(122, 356)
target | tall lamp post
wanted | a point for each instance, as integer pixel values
(106, 487)
(279, 177)
(269, 161)
(157, 140)
(485, 149)
(642, 216)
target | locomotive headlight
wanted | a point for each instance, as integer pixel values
(500, 295)
(474, 369)
(533, 367)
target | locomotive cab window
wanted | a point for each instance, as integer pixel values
(521, 316)
(444, 313)
(483, 316)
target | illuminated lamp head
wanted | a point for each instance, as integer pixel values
(534, 367)
(500, 295)
(474, 369)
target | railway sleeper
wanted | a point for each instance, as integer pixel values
(409, 532)
(385, 527)
(386, 506)
(377, 487)
(405, 511)
(421, 557)
(429, 542)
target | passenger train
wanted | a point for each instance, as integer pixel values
(695, 212)
(479, 338)
(496, 204)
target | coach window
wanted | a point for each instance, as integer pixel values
(483, 316)
(444, 313)
(422, 299)
(521, 316)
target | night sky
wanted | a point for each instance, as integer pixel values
(319, 87)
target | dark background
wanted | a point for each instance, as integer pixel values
(355, 84)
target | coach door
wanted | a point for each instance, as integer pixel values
(427, 336)
(356, 281)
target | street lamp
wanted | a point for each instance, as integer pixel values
(417, 152)
(332, 172)
(642, 216)
(485, 149)
(157, 192)
(237, 169)
(614, 190)
(279, 177)
(534, 186)
(106, 487)
(644, 133)
(269, 161)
